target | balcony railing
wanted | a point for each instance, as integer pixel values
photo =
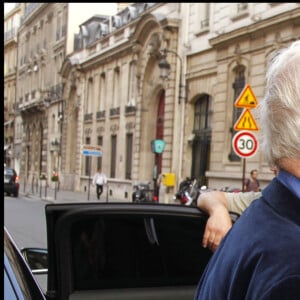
(29, 8)
(100, 114)
(114, 111)
(130, 109)
(88, 117)
(10, 34)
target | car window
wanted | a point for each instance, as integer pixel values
(8, 171)
(18, 274)
(9, 291)
(140, 251)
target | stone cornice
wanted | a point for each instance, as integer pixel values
(266, 24)
(109, 55)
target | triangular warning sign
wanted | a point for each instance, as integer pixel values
(246, 122)
(246, 98)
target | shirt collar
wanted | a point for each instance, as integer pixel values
(290, 182)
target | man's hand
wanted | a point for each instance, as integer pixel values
(218, 224)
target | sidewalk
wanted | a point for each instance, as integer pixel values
(62, 196)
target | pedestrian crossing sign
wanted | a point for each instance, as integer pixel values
(246, 122)
(246, 98)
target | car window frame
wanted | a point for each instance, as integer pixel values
(18, 271)
(60, 217)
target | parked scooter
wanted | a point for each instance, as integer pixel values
(188, 192)
(142, 193)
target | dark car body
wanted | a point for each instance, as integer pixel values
(11, 182)
(19, 282)
(124, 251)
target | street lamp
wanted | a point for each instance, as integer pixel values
(164, 73)
(165, 67)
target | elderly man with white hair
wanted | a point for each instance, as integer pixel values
(259, 257)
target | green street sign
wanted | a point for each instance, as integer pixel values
(158, 146)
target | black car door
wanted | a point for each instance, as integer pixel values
(124, 251)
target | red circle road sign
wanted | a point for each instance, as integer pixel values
(245, 144)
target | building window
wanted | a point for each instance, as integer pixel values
(129, 146)
(99, 159)
(102, 92)
(202, 119)
(238, 85)
(202, 138)
(90, 96)
(52, 129)
(113, 156)
(203, 15)
(116, 87)
(132, 84)
(241, 10)
(87, 158)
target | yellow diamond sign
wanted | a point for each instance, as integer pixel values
(246, 122)
(246, 98)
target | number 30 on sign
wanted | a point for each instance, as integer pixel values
(245, 144)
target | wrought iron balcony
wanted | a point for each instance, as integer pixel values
(88, 117)
(130, 109)
(114, 111)
(100, 114)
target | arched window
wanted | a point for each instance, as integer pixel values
(202, 140)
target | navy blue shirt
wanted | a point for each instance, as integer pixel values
(260, 256)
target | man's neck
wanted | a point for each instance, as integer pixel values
(290, 165)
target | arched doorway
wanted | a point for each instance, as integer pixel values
(160, 127)
(202, 139)
(159, 136)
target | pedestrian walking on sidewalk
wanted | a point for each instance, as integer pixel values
(99, 180)
(252, 183)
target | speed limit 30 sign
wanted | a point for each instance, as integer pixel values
(245, 144)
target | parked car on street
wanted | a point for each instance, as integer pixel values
(11, 182)
(122, 251)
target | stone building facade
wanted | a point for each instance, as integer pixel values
(230, 49)
(11, 24)
(103, 85)
(116, 98)
(45, 36)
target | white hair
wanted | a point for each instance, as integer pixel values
(280, 108)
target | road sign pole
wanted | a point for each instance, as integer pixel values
(245, 143)
(244, 177)
(90, 158)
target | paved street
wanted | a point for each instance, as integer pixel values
(19, 215)
(62, 196)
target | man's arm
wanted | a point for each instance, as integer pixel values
(217, 205)
(219, 222)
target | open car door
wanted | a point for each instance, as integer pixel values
(124, 251)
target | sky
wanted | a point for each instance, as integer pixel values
(110, 7)
(8, 6)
